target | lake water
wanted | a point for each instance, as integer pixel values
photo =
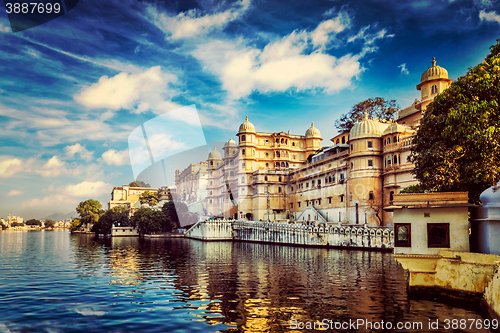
(51, 281)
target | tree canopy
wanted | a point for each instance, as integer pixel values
(138, 183)
(33, 222)
(376, 107)
(118, 215)
(89, 211)
(49, 223)
(171, 211)
(149, 221)
(151, 198)
(457, 146)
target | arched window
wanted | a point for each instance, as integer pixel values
(279, 178)
(243, 152)
(388, 160)
(293, 156)
(395, 139)
(395, 159)
(243, 137)
(282, 140)
(277, 164)
(210, 192)
(371, 196)
(211, 182)
(243, 180)
(388, 140)
(243, 165)
(338, 141)
(282, 164)
(279, 189)
(265, 178)
(231, 174)
(287, 164)
(211, 162)
(277, 154)
(391, 196)
(326, 180)
(267, 154)
(434, 89)
(267, 165)
(343, 139)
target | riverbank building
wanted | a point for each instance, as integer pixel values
(293, 177)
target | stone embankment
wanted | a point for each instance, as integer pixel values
(343, 236)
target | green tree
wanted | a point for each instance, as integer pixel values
(17, 224)
(148, 197)
(75, 224)
(33, 222)
(89, 211)
(149, 221)
(49, 223)
(377, 108)
(418, 188)
(139, 183)
(118, 215)
(171, 211)
(457, 146)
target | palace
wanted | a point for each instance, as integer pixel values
(282, 176)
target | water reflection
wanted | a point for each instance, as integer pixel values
(181, 285)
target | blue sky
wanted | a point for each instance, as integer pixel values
(73, 89)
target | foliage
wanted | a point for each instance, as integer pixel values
(3, 226)
(33, 222)
(418, 188)
(457, 146)
(17, 224)
(118, 215)
(49, 223)
(377, 108)
(139, 183)
(88, 207)
(75, 224)
(151, 198)
(149, 221)
(171, 211)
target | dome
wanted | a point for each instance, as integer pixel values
(396, 128)
(313, 132)
(230, 143)
(366, 128)
(434, 72)
(214, 155)
(246, 127)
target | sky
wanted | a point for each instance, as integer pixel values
(75, 90)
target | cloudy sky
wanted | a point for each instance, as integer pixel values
(73, 90)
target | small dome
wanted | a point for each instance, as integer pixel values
(396, 128)
(246, 127)
(313, 132)
(230, 143)
(434, 72)
(214, 155)
(366, 128)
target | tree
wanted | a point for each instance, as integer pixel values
(173, 210)
(149, 221)
(118, 215)
(49, 223)
(377, 107)
(457, 146)
(139, 183)
(75, 224)
(151, 198)
(90, 211)
(418, 188)
(33, 222)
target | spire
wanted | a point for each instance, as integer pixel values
(433, 61)
(247, 118)
(312, 123)
(366, 115)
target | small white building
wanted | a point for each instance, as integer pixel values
(426, 223)
(124, 232)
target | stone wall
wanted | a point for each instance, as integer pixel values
(381, 238)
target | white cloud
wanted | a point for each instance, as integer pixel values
(281, 65)
(10, 166)
(320, 35)
(139, 91)
(162, 143)
(113, 157)
(491, 16)
(193, 22)
(56, 200)
(88, 189)
(78, 149)
(54, 167)
(404, 70)
(4, 28)
(14, 193)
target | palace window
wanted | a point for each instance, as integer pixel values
(267, 154)
(211, 162)
(242, 180)
(265, 178)
(350, 197)
(388, 160)
(371, 196)
(434, 89)
(210, 192)
(319, 182)
(298, 203)
(338, 141)
(395, 139)
(282, 164)
(330, 200)
(292, 189)
(370, 163)
(341, 177)
(352, 165)
(267, 165)
(267, 142)
(370, 144)
(291, 205)
(243, 165)
(319, 201)
(277, 154)
(307, 185)
(210, 200)
(293, 144)
(211, 182)
(341, 198)
(279, 190)
(243, 137)
(312, 183)
(438, 235)
(279, 178)
(388, 140)
(391, 196)
(395, 159)
(343, 139)
(326, 180)
(243, 151)
(332, 179)
(352, 147)
(277, 164)
(403, 234)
